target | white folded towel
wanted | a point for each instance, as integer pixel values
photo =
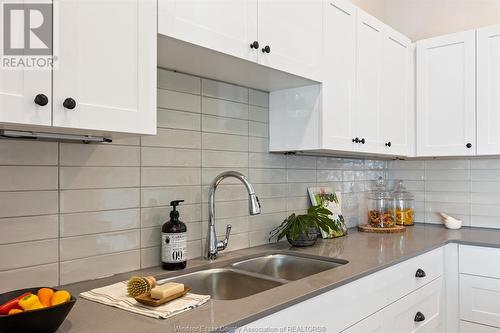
(116, 295)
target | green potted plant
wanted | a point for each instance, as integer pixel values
(302, 230)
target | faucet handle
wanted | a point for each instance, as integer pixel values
(221, 245)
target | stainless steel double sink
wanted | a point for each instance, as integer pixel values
(252, 275)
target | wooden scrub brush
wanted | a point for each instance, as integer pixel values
(138, 285)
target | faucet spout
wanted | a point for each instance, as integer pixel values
(253, 204)
(212, 245)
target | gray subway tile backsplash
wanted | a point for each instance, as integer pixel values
(175, 81)
(178, 119)
(14, 152)
(28, 228)
(70, 212)
(96, 155)
(224, 91)
(76, 224)
(168, 99)
(28, 203)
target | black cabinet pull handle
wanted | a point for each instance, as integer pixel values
(69, 103)
(469, 145)
(362, 141)
(254, 45)
(420, 273)
(388, 144)
(266, 49)
(419, 316)
(41, 100)
(356, 140)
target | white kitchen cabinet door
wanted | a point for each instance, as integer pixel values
(227, 26)
(477, 260)
(420, 311)
(467, 327)
(18, 89)
(293, 31)
(368, 81)
(479, 300)
(106, 66)
(372, 324)
(488, 91)
(446, 93)
(395, 99)
(339, 75)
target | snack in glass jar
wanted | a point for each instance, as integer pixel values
(404, 203)
(381, 219)
(404, 216)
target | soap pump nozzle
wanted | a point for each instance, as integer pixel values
(174, 214)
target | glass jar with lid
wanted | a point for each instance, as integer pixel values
(404, 205)
(381, 206)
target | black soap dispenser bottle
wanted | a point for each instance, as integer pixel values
(174, 241)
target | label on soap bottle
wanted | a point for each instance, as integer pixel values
(173, 247)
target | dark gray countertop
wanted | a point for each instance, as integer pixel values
(366, 253)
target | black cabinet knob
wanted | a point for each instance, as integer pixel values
(419, 316)
(420, 273)
(362, 141)
(41, 100)
(356, 140)
(388, 144)
(254, 45)
(469, 145)
(266, 49)
(69, 103)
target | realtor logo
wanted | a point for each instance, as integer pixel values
(27, 37)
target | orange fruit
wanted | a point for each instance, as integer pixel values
(14, 311)
(45, 296)
(60, 297)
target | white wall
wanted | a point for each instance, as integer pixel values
(420, 19)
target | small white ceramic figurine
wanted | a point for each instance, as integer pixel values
(450, 222)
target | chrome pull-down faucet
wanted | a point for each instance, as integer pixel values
(213, 246)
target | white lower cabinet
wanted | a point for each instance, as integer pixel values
(449, 289)
(420, 311)
(468, 327)
(372, 324)
(374, 303)
(479, 288)
(480, 299)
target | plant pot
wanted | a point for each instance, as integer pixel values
(304, 240)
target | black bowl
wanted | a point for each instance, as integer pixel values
(45, 320)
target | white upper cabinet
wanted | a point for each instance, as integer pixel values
(365, 100)
(227, 26)
(488, 91)
(370, 35)
(446, 95)
(104, 79)
(106, 75)
(339, 75)
(290, 36)
(19, 88)
(18, 91)
(396, 109)
(282, 35)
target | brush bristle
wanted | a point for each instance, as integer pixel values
(137, 286)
